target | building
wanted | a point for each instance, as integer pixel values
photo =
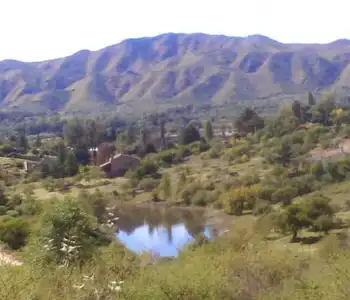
(32, 165)
(119, 164)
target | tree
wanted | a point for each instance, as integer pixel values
(37, 142)
(144, 137)
(165, 186)
(181, 183)
(298, 111)
(312, 211)
(94, 133)
(248, 121)
(311, 100)
(82, 155)
(69, 234)
(189, 134)
(14, 232)
(22, 141)
(162, 133)
(293, 219)
(321, 113)
(75, 133)
(286, 111)
(71, 165)
(282, 154)
(61, 153)
(208, 131)
(130, 136)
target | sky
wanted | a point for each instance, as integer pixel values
(34, 30)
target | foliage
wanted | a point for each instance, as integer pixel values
(249, 121)
(208, 131)
(14, 232)
(165, 186)
(310, 212)
(189, 134)
(69, 234)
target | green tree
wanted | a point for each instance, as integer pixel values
(61, 153)
(144, 137)
(94, 133)
(310, 212)
(165, 186)
(71, 165)
(69, 234)
(37, 142)
(189, 134)
(298, 111)
(14, 232)
(248, 121)
(181, 183)
(82, 155)
(162, 133)
(130, 136)
(281, 154)
(22, 141)
(293, 220)
(311, 100)
(208, 131)
(75, 133)
(321, 113)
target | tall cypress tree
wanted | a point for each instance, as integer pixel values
(208, 131)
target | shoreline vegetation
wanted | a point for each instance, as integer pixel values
(280, 186)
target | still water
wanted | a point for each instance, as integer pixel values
(163, 231)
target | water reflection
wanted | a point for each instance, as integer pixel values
(163, 231)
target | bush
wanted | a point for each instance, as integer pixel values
(203, 197)
(284, 195)
(261, 208)
(147, 168)
(324, 224)
(148, 184)
(3, 210)
(49, 184)
(14, 233)
(13, 213)
(31, 206)
(68, 225)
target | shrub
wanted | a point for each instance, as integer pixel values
(13, 213)
(284, 195)
(306, 214)
(69, 228)
(204, 197)
(261, 208)
(14, 233)
(31, 206)
(147, 168)
(3, 210)
(324, 224)
(148, 184)
(49, 184)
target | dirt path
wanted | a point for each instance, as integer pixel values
(7, 259)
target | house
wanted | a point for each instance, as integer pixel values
(119, 164)
(32, 165)
(29, 166)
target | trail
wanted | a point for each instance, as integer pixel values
(7, 259)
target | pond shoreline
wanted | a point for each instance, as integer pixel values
(214, 217)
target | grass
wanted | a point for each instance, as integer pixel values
(239, 265)
(338, 192)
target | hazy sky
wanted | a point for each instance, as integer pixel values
(40, 29)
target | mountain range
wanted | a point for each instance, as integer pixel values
(173, 69)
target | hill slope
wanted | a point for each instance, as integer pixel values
(174, 69)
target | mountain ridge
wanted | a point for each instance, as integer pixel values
(175, 68)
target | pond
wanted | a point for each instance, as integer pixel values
(162, 231)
